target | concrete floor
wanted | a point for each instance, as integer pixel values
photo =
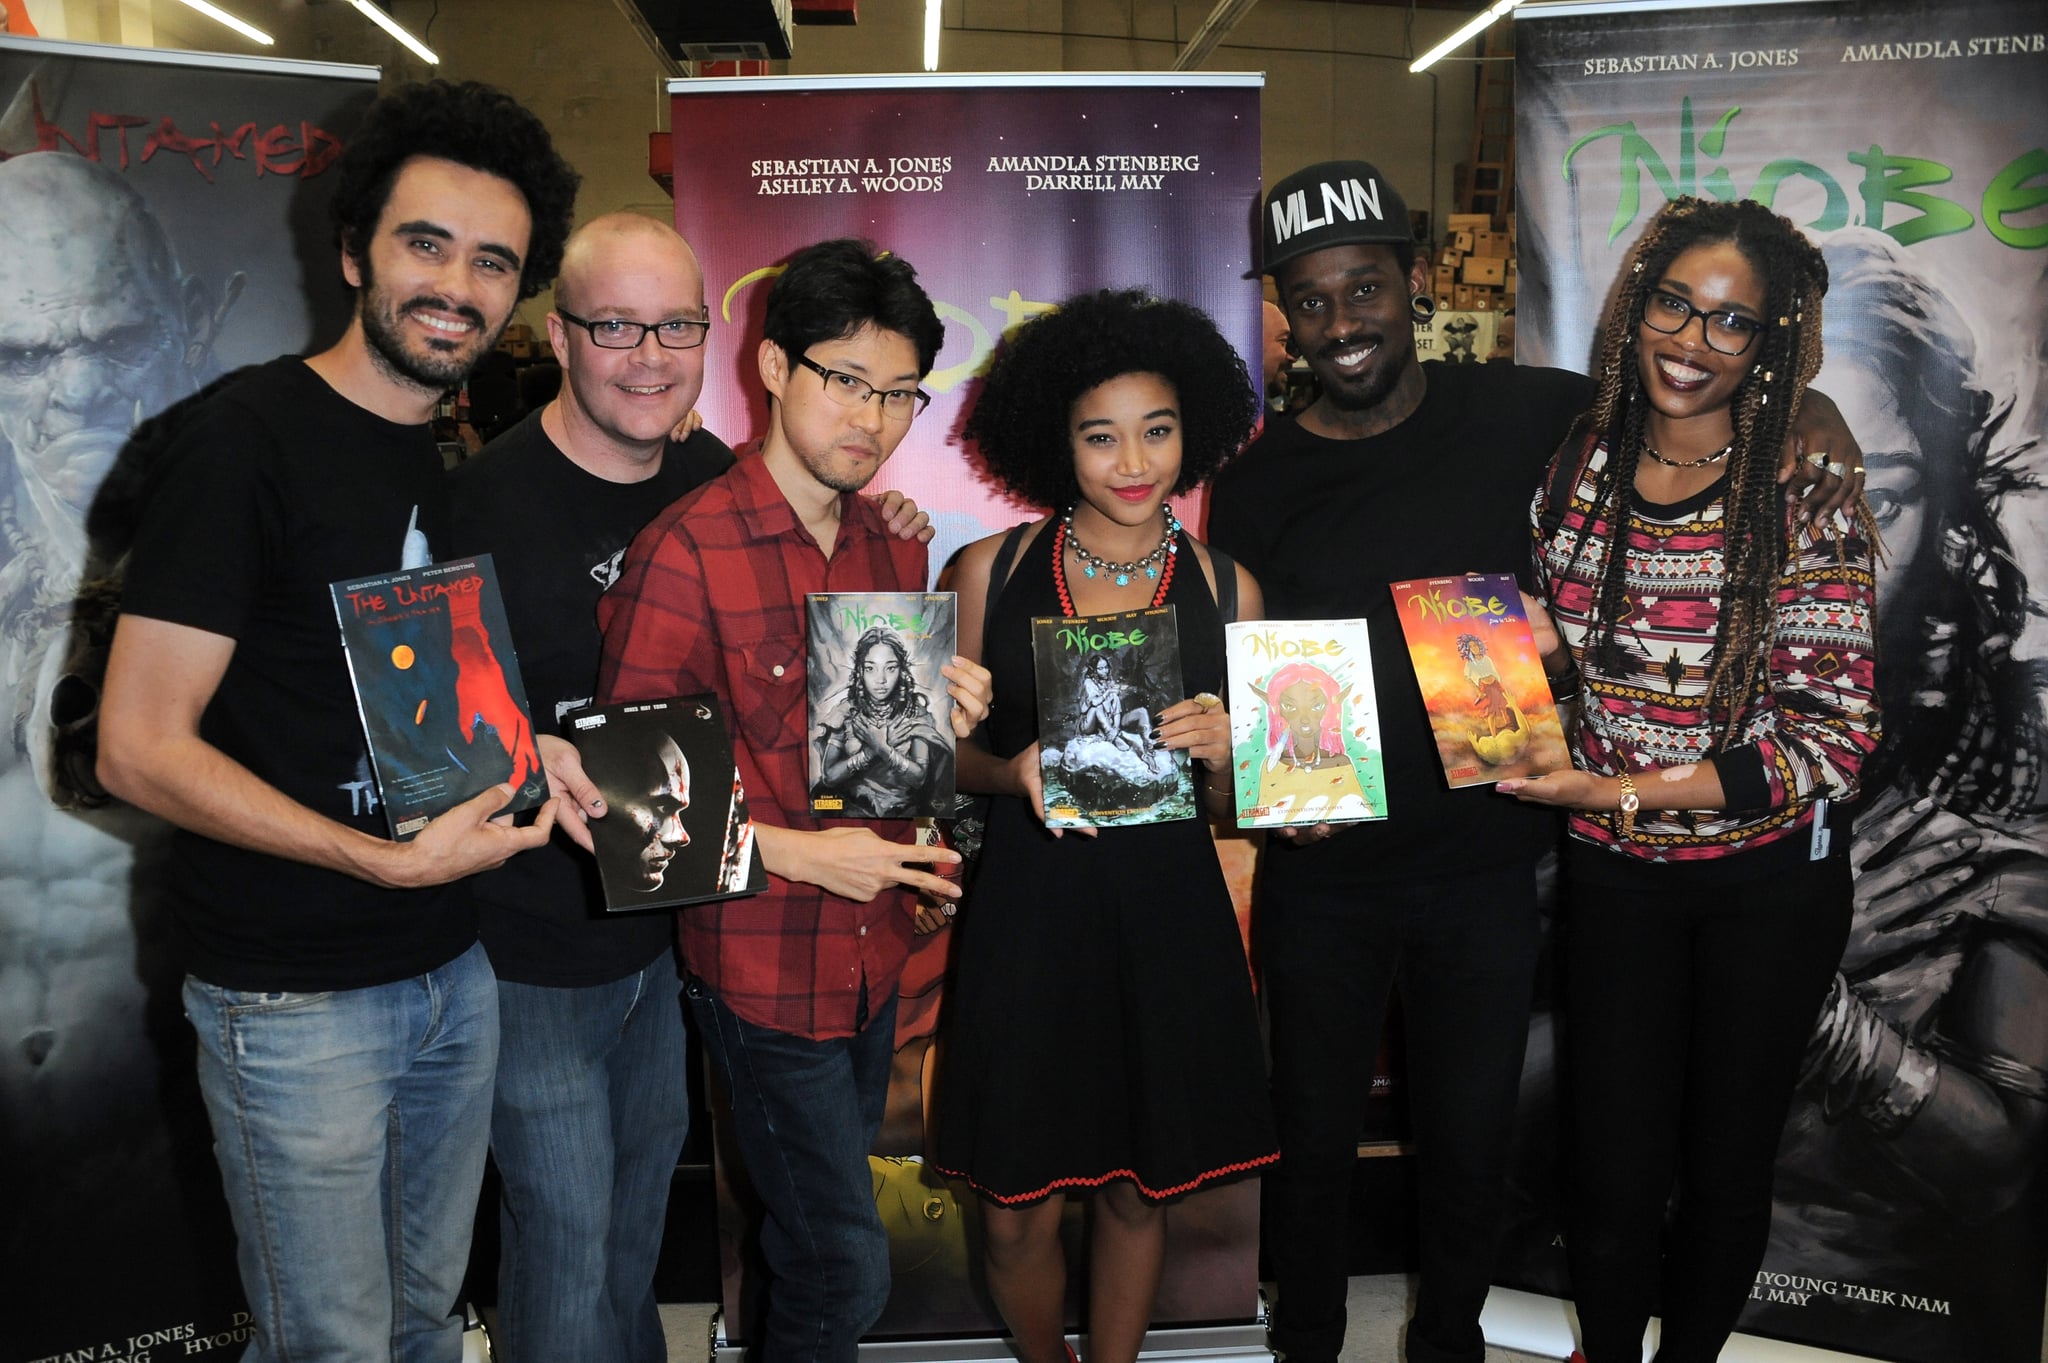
(1378, 1305)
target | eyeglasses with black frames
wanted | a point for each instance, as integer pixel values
(616, 333)
(851, 390)
(1730, 333)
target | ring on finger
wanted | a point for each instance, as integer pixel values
(1838, 468)
(1817, 458)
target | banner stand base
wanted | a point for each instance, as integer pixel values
(1545, 1326)
(1239, 1343)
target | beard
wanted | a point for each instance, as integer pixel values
(1366, 392)
(441, 365)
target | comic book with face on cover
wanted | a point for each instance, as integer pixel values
(1102, 681)
(1304, 725)
(881, 724)
(1481, 678)
(675, 829)
(438, 689)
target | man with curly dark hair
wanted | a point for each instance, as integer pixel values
(346, 1015)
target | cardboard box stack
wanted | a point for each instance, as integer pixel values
(1474, 271)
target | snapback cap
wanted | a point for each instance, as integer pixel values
(1331, 203)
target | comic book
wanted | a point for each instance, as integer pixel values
(1481, 679)
(1102, 681)
(437, 685)
(675, 829)
(881, 725)
(1304, 724)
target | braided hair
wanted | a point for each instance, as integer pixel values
(1782, 360)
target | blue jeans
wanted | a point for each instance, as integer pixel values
(805, 1114)
(350, 1129)
(592, 1107)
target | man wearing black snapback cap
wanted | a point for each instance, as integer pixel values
(1397, 471)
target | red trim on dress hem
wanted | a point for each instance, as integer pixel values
(1244, 1166)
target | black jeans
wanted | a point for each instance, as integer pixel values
(1463, 953)
(1688, 1007)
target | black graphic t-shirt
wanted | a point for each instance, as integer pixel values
(557, 535)
(275, 488)
(1326, 526)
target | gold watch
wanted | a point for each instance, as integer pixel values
(1630, 803)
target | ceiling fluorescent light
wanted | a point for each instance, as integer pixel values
(1463, 35)
(221, 16)
(933, 14)
(390, 25)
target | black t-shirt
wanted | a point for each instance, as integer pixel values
(557, 535)
(273, 489)
(1327, 525)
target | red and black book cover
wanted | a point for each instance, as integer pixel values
(437, 685)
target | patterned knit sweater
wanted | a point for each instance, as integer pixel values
(1805, 740)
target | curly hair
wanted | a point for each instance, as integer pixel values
(905, 697)
(1020, 420)
(473, 125)
(1960, 712)
(1783, 360)
(829, 291)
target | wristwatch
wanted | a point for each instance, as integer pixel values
(1630, 803)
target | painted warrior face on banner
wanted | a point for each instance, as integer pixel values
(98, 329)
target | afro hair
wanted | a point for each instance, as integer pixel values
(473, 125)
(1020, 421)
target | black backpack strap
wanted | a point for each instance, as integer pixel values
(1225, 568)
(999, 571)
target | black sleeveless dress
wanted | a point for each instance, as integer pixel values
(1100, 1020)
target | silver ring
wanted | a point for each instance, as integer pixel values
(1838, 468)
(1817, 458)
(947, 909)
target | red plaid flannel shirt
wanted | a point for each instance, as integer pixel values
(711, 598)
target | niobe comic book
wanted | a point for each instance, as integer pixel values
(1304, 723)
(1481, 679)
(881, 723)
(1102, 681)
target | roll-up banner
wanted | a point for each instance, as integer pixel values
(1907, 137)
(162, 221)
(1007, 193)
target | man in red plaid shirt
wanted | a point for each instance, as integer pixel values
(794, 990)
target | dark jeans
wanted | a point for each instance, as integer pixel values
(1688, 1008)
(1463, 954)
(805, 1114)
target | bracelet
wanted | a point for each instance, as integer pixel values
(1630, 803)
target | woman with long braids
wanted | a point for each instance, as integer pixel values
(1723, 656)
(1102, 1040)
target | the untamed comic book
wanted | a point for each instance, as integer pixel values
(437, 685)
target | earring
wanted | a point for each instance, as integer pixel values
(1421, 307)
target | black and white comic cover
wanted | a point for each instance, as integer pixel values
(881, 741)
(675, 829)
(1102, 681)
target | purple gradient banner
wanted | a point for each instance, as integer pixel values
(1008, 193)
